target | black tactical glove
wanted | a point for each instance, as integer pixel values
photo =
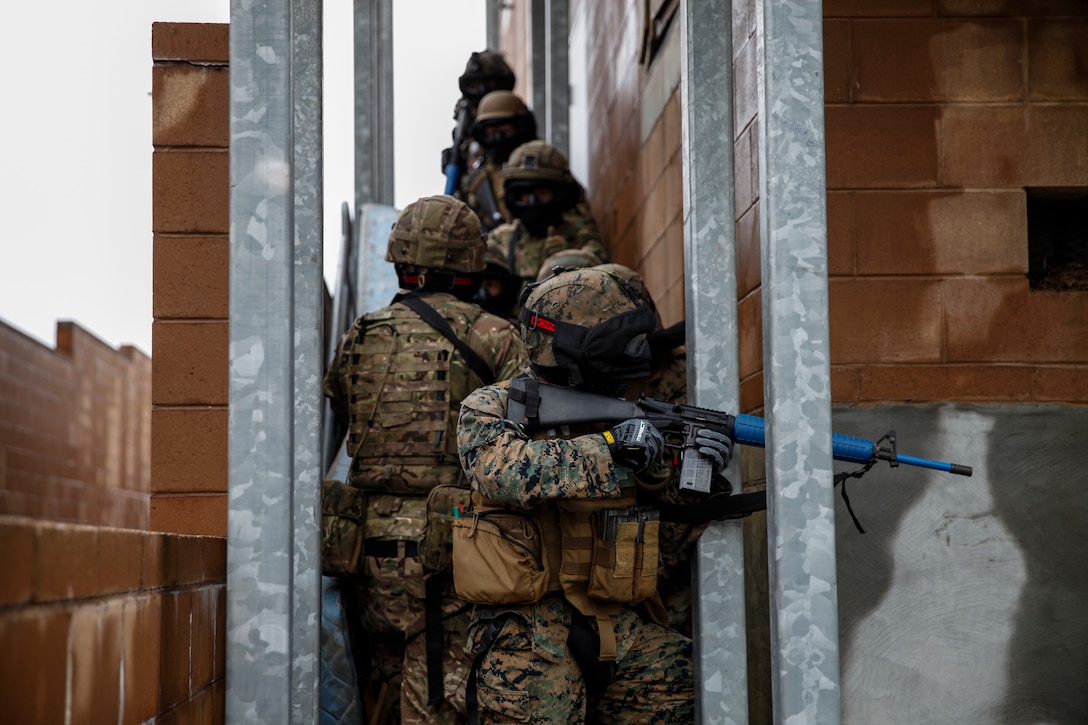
(715, 446)
(635, 443)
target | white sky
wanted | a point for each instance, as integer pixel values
(75, 155)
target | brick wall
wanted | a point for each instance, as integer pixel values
(110, 625)
(190, 100)
(74, 429)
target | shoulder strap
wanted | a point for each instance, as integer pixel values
(431, 317)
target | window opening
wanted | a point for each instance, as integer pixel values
(1058, 239)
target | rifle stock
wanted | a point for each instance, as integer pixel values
(565, 406)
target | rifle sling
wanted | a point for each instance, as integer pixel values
(715, 508)
(430, 315)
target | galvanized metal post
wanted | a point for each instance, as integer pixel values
(557, 81)
(373, 102)
(706, 92)
(796, 364)
(538, 56)
(273, 561)
(492, 8)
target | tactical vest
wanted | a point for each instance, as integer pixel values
(403, 399)
(602, 554)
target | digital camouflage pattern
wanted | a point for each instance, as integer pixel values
(568, 259)
(398, 384)
(528, 675)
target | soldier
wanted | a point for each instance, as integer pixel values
(549, 210)
(568, 259)
(485, 71)
(397, 380)
(503, 122)
(549, 550)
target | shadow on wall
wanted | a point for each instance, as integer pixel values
(964, 601)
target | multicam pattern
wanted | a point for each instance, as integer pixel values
(528, 674)
(578, 230)
(392, 377)
(437, 232)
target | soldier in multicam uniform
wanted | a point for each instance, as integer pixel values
(549, 209)
(576, 647)
(503, 122)
(397, 380)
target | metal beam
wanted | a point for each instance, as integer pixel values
(796, 363)
(373, 103)
(557, 81)
(492, 8)
(273, 561)
(538, 59)
(706, 92)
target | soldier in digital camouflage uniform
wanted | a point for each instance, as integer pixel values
(485, 71)
(397, 381)
(572, 654)
(667, 381)
(549, 209)
(503, 122)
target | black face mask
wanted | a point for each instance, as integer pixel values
(536, 215)
(602, 358)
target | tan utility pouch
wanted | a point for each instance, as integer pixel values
(343, 510)
(444, 504)
(625, 555)
(498, 557)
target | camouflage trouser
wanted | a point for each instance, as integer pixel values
(529, 674)
(390, 592)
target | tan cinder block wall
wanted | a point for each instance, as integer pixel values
(190, 100)
(74, 429)
(105, 625)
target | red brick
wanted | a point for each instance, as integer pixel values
(34, 694)
(748, 253)
(176, 640)
(191, 191)
(881, 146)
(191, 42)
(215, 559)
(1015, 8)
(220, 631)
(845, 386)
(947, 60)
(192, 277)
(190, 105)
(1001, 320)
(1025, 145)
(750, 339)
(1060, 385)
(142, 656)
(66, 563)
(190, 364)
(215, 704)
(745, 170)
(964, 383)
(882, 9)
(838, 69)
(203, 636)
(841, 233)
(745, 89)
(175, 434)
(751, 394)
(120, 560)
(154, 567)
(943, 232)
(891, 320)
(16, 560)
(95, 652)
(202, 515)
(1057, 58)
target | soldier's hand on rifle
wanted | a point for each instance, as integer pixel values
(635, 443)
(718, 447)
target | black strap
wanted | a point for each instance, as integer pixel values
(715, 508)
(435, 645)
(511, 251)
(472, 702)
(389, 548)
(430, 315)
(584, 644)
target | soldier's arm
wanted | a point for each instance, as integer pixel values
(504, 464)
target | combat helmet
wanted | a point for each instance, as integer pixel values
(503, 122)
(485, 71)
(436, 244)
(586, 328)
(567, 259)
(531, 168)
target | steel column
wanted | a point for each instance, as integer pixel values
(538, 58)
(557, 120)
(373, 103)
(706, 92)
(273, 560)
(492, 8)
(796, 364)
